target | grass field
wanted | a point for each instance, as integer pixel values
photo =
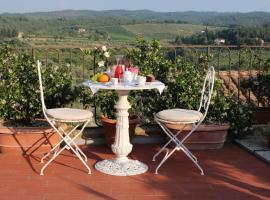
(165, 32)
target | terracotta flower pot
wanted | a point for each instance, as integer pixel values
(205, 137)
(27, 140)
(109, 126)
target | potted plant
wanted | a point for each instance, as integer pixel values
(184, 81)
(21, 128)
(261, 89)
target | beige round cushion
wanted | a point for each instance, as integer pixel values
(69, 114)
(180, 115)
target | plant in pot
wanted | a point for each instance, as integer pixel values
(21, 129)
(260, 87)
(227, 118)
(184, 91)
(184, 81)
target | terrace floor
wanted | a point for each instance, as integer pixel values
(231, 173)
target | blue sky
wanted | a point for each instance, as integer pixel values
(156, 5)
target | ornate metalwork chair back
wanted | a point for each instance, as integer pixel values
(207, 91)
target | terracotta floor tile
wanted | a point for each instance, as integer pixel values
(57, 196)
(231, 173)
(10, 196)
(154, 197)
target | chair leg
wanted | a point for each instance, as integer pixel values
(58, 144)
(53, 150)
(52, 158)
(193, 160)
(167, 155)
(82, 160)
(68, 141)
(179, 146)
(67, 146)
(78, 150)
(191, 154)
(161, 150)
(173, 138)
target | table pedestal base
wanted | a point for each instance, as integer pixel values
(126, 168)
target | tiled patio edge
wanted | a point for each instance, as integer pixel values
(257, 146)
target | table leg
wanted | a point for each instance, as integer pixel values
(122, 165)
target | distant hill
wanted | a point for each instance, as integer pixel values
(193, 17)
(85, 26)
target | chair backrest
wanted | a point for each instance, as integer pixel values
(207, 90)
(41, 88)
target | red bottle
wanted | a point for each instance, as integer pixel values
(118, 71)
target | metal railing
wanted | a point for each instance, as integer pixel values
(237, 66)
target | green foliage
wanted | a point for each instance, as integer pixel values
(19, 98)
(101, 56)
(106, 101)
(240, 118)
(184, 82)
(57, 85)
(233, 36)
(121, 26)
(184, 85)
(19, 87)
(260, 86)
(7, 32)
(148, 56)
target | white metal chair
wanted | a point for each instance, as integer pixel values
(185, 117)
(54, 116)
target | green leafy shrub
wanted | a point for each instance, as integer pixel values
(150, 59)
(106, 101)
(103, 100)
(240, 118)
(57, 85)
(260, 85)
(19, 87)
(19, 98)
(184, 81)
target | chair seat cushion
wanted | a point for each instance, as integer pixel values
(69, 114)
(180, 115)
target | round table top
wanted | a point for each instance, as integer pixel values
(121, 86)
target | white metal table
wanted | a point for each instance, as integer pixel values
(122, 165)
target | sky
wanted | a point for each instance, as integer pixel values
(22, 6)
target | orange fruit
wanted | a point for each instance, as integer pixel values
(104, 78)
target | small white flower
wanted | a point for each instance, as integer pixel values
(104, 48)
(107, 54)
(101, 63)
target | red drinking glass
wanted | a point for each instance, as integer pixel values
(118, 71)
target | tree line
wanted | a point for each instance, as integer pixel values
(258, 35)
(7, 32)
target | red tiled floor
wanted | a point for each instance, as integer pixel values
(231, 173)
